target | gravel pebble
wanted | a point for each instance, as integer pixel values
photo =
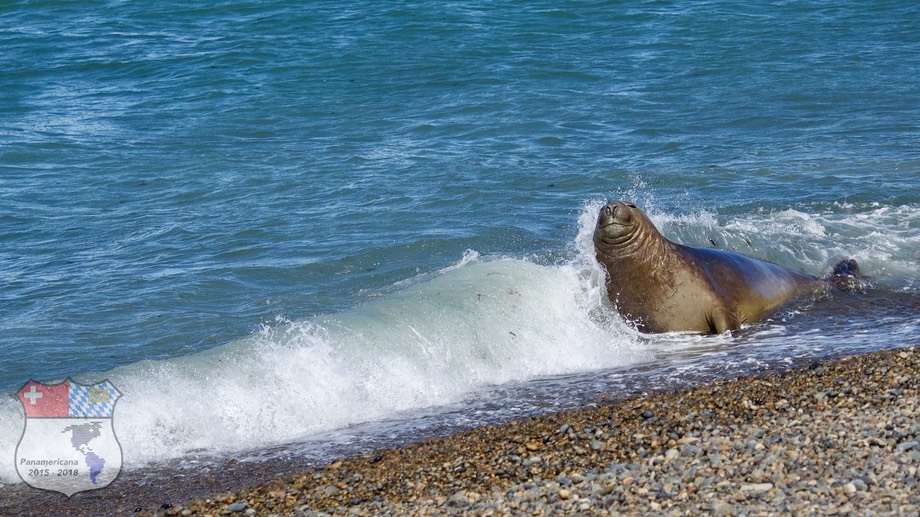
(237, 507)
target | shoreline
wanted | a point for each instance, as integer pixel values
(836, 436)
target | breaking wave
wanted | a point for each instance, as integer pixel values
(479, 322)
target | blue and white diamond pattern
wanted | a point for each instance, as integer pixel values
(97, 400)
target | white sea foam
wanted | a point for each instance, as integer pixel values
(485, 323)
(480, 322)
(882, 239)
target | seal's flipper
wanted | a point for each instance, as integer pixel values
(846, 268)
(847, 277)
(721, 321)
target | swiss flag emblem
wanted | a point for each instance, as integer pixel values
(42, 401)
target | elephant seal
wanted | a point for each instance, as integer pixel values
(662, 286)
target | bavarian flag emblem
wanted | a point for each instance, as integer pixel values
(68, 444)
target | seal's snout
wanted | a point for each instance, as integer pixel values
(615, 221)
(609, 211)
(616, 212)
(607, 215)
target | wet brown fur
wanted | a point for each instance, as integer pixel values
(662, 286)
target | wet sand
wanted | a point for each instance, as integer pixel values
(839, 437)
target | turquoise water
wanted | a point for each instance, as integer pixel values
(384, 207)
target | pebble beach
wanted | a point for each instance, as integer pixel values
(832, 438)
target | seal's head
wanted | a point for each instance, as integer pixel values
(616, 223)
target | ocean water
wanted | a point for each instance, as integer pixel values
(272, 223)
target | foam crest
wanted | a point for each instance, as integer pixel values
(883, 239)
(479, 323)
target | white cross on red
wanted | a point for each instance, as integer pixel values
(32, 395)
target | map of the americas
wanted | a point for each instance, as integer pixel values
(80, 436)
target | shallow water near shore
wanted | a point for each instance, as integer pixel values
(291, 231)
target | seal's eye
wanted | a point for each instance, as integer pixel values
(631, 205)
